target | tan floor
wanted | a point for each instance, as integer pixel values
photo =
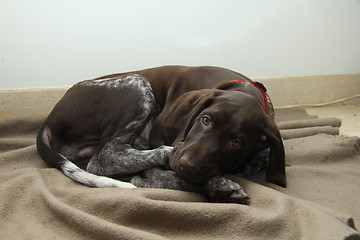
(349, 114)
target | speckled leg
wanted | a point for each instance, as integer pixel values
(123, 159)
(216, 189)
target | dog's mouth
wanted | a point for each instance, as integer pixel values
(184, 166)
(187, 175)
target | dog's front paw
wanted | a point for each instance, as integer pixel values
(165, 154)
(221, 189)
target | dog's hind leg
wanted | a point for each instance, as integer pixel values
(96, 120)
(117, 156)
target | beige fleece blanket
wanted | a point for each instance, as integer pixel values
(322, 200)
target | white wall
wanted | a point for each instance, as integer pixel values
(52, 43)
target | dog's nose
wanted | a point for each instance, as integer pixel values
(187, 168)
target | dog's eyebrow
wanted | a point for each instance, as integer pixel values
(237, 134)
(210, 112)
(240, 136)
(214, 114)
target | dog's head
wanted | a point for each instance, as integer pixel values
(218, 132)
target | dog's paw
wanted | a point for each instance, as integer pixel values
(164, 155)
(139, 182)
(221, 189)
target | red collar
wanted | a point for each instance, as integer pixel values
(261, 88)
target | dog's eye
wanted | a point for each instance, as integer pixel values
(235, 143)
(205, 120)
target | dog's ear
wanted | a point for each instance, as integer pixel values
(183, 112)
(204, 102)
(275, 172)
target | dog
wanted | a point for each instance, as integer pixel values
(173, 127)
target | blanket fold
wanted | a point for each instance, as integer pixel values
(308, 131)
(309, 127)
(320, 201)
(305, 123)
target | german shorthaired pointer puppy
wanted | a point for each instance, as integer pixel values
(170, 127)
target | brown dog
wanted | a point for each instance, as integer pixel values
(197, 120)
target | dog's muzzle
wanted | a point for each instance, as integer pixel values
(189, 166)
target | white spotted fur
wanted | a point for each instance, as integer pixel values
(89, 179)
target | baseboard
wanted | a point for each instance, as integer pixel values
(286, 91)
(283, 91)
(29, 102)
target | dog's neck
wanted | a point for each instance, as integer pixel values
(261, 88)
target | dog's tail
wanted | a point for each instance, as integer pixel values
(49, 155)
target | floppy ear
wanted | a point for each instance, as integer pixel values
(275, 172)
(182, 113)
(204, 102)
